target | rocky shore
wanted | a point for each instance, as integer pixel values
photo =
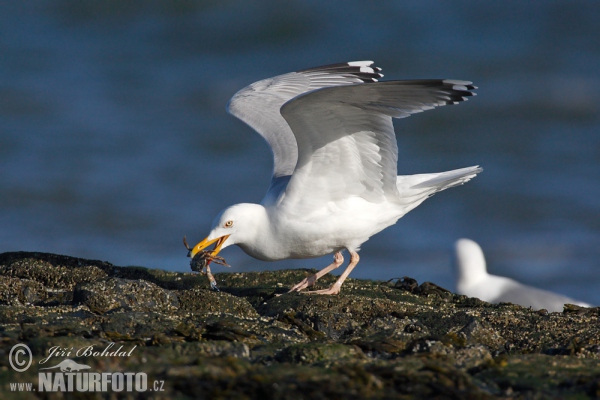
(393, 339)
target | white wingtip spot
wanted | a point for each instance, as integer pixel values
(459, 87)
(368, 70)
(360, 63)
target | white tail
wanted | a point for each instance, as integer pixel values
(414, 189)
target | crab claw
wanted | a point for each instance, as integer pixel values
(187, 246)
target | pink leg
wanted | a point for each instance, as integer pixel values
(335, 289)
(338, 259)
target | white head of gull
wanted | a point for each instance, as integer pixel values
(473, 280)
(335, 154)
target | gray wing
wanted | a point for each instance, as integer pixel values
(346, 141)
(259, 104)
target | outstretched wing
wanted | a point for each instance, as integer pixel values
(346, 141)
(259, 104)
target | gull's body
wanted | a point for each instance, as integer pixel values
(473, 280)
(282, 235)
(335, 156)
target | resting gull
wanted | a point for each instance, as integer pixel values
(473, 280)
(334, 182)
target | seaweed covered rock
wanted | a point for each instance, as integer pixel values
(252, 340)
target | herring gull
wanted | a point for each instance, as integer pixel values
(334, 182)
(473, 280)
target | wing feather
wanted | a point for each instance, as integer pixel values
(259, 104)
(346, 141)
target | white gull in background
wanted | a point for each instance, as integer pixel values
(335, 180)
(473, 280)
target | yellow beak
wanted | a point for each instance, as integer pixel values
(205, 243)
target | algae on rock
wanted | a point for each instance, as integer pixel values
(375, 339)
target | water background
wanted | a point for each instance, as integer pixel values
(114, 140)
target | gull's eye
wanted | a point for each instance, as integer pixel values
(228, 224)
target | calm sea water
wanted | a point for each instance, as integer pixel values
(114, 140)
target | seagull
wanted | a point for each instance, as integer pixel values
(334, 182)
(473, 280)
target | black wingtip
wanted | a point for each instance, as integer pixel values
(458, 90)
(363, 70)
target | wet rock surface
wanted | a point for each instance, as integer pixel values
(374, 340)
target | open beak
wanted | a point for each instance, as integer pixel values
(205, 243)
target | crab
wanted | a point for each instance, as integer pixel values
(201, 261)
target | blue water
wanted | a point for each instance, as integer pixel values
(114, 140)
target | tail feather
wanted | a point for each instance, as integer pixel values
(414, 189)
(445, 180)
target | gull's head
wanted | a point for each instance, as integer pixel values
(470, 262)
(234, 225)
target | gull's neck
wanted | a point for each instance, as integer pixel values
(255, 234)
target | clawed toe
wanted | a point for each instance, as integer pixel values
(303, 284)
(335, 289)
